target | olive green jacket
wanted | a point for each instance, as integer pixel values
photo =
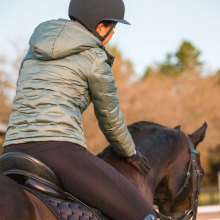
(65, 69)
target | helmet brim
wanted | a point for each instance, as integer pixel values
(123, 21)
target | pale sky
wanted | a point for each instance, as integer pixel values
(158, 27)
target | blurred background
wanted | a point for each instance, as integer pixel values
(167, 68)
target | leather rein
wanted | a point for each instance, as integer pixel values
(193, 174)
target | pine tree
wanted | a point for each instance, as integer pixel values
(188, 58)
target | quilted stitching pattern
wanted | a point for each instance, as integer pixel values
(70, 210)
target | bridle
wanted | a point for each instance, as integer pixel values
(193, 174)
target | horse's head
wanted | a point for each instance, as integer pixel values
(173, 158)
(177, 193)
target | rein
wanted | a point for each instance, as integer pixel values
(194, 174)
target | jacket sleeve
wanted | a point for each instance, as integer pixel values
(106, 106)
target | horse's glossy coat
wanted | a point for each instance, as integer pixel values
(168, 153)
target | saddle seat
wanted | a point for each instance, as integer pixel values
(30, 172)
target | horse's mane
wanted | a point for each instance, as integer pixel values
(140, 126)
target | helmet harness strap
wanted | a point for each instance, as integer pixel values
(103, 38)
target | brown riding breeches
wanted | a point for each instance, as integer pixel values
(89, 178)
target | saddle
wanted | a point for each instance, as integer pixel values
(34, 176)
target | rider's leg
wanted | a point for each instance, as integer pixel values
(90, 179)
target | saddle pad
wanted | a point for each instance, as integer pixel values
(66, 209)
(71, 210)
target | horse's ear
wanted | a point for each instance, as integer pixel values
(178, 127)
(198, 135)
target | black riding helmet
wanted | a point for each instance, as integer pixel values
(92, 12)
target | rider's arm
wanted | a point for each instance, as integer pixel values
(106, 105)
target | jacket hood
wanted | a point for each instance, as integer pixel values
(57, 39)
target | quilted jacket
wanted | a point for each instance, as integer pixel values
(65, 69)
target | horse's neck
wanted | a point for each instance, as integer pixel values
(145, 184)
(162, 159)
(166, 169)
(162, 156)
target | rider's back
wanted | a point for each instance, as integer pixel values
(52, 89)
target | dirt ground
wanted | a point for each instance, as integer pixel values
(209, 216)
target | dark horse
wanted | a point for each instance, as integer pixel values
(172, 182)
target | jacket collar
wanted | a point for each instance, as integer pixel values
(111, 58)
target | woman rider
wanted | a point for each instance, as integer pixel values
(65, 69)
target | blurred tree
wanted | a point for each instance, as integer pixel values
(185, 60)
(188, 58)
(122, 68)
(5, 86)
(169, 67)
(214, 164)
(149, 71)
(8, 77)
(218, 77)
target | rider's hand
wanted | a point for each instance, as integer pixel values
(139, 162)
